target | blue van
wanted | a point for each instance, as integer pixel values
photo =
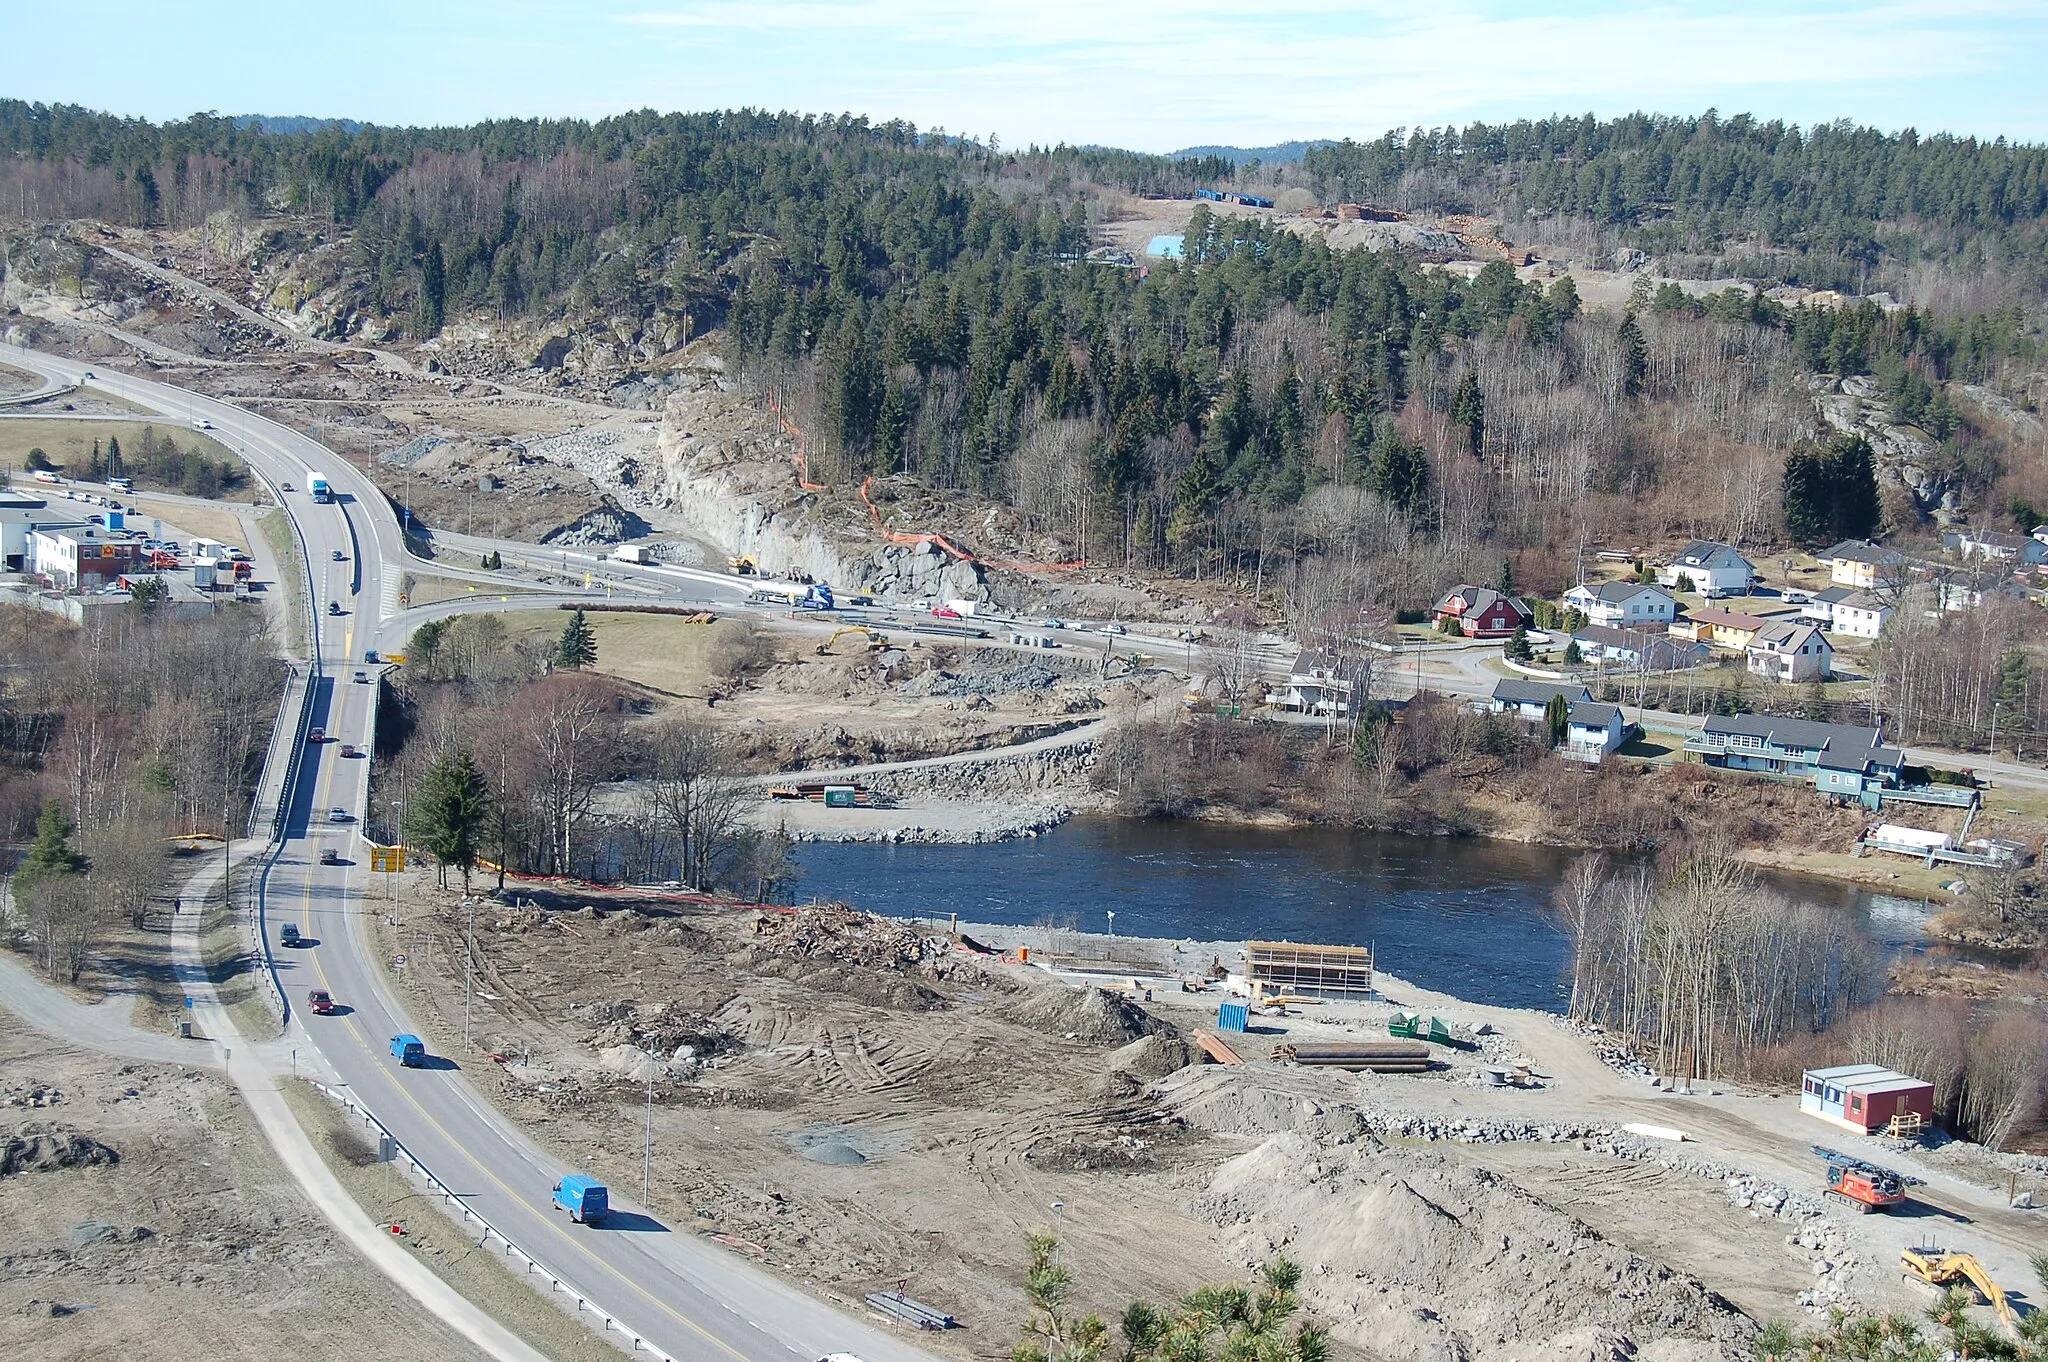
(583, 1198)
(409, 1050)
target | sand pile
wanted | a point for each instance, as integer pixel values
(1088, 1015)
(1410, 1255)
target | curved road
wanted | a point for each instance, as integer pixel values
(685, 1296)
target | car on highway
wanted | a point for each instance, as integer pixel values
(340, 557)
(348, 749)
(202, 424)
(86, 377)
(584, 1198)
(288, 935)
(1052, 624)
(329, 856)
(1112, 628)
(362, 678)
(334, 607)
(316, 736)
(337, 815)
(943, 613)
(409, 1050)
(320, 1003)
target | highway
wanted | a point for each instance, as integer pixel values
(685, 1296)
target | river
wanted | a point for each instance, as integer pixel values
(1462, 917)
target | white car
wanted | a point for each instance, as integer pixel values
(337, 815)
(1112, 628)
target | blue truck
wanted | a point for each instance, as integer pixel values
(409, 1050)
(584, 1198)
(322, 493)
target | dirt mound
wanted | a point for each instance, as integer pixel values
(893, 991)
(46, 1148)
(1088, 1015)
(1413, 1255)
(836, 932)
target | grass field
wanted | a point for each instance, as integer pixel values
(659, 652)
(69, 445)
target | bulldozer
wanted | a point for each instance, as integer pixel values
(1865, 1186)
(742, 566)
(1938, 1268)
(875, 640)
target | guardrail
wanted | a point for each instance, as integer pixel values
(511, 1250)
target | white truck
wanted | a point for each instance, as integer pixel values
(630, 553)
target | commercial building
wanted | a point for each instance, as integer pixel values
(78, 557)
(1865, 1097)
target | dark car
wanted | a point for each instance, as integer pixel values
(329, 856)
(289, 934)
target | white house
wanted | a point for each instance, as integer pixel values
(1861, 615)
(1650, 652)
(1529, 699)
(1315, 686)
(1790, 652)
(1623, 605)
(1592, 731)
(1821, 609)
(1996, 546)
(1710, 569)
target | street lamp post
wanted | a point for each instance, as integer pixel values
(468, 971)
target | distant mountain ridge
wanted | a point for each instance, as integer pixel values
(295, 123)
(1279, 154)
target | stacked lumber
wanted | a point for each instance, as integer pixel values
(1218, 1048)
(1379, 1056)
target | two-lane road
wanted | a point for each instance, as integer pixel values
(684, 1295)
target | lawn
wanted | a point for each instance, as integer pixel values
(659, 652)
(69, 445)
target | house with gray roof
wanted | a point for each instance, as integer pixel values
(1844, 760)
(1623, 605)
(1593, 730)
(1709, 568)
(1528, 699)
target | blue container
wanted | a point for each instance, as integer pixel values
(1233, 1016)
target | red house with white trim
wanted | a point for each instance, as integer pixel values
(1482, 612)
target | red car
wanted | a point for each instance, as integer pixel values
(944, 614)
(317, 736)
(319, 1003)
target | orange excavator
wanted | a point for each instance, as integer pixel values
(1865, 1186)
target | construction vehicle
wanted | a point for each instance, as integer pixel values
(1865, 1186)
(874, 639)
(1940, 1268)
(742, 566)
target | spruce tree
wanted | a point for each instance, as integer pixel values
(1468, 409)
(577, 647)
(449, 812)
(1635, 357)
(51, 854)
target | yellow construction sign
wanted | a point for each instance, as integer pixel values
(390, 859)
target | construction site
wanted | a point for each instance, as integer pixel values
(872, 1105)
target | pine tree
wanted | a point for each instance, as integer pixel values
(1572, 656)
(1506, 582)
(51, 854)
(1468, 409)
(1518, 647)
(1635, 356)
(577, 648)
(1400, 471)
(448, 814)
(433, 302)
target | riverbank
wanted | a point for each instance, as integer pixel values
(927, 822)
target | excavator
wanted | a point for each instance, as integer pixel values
(1938, 1268)
(1865, 1186)
(741, 566)
(874, 639)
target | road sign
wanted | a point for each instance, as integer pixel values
(390, 859)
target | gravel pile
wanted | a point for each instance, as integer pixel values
(37, 1148)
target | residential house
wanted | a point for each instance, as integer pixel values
(1840, 759)
(1711, 569)
(1864, 565)
(1529, 699)
(1633, 648)
(1996, 546)
(1623, 605)
(1821, 609)
(1790, 652)
(1722, 628)
(1592, 731)
(76, 557)
(1968, 590)
(1862, 615)
(1315, 685)
(1482, 612)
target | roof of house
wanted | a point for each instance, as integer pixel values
(1863, 600)
(1726, 619)
(1997, 539)
(1309, 661)
(1660, 651)
(1513, 692)
(1586, 714)
(1786, 637)
(1838, 1072)
(1862, 551)
(1806, 734)
(1705, 553)
(1614, 593)
(1478, 600)
(1835, 594)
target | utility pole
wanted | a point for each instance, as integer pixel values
(469, 973)
(647, 1141)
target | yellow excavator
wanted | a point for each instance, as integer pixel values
(874, 639)
(1938, 1267)
(741, 566)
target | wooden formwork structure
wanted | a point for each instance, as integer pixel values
(1282, 967)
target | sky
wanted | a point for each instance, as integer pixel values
(1151, 75)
